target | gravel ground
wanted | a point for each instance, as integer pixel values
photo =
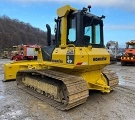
(118, 105)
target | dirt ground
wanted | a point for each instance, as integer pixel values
(118, 105)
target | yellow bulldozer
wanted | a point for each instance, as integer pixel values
(69, 67)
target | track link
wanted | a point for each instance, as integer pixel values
(76, 88)
(111, 77)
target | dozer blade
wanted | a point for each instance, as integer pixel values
(60, 90)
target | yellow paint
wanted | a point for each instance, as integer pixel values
(10, 69)
(96, 81)
(63, 11)
(64, 31)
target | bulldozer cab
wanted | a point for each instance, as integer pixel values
(79, 27)
(74, 29)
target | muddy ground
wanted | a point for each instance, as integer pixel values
(118, 105)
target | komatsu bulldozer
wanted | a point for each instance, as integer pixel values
(68, 68)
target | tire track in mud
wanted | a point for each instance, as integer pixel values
(126, 89)
(126, 97)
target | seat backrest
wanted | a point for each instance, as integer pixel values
(86, 39)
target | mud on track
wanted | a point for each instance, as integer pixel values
(118, 105)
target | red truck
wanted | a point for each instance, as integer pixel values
(26, 52)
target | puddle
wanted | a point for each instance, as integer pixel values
(121, 81)
(1, 97)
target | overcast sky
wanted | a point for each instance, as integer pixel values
(119, 24)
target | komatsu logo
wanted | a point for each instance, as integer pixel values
(99, 59)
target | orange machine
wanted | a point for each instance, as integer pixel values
(26, 52)
(129, 55)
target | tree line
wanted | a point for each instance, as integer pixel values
(15, 32)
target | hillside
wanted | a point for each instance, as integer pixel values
(14, 32)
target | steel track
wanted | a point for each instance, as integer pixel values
(112, 78)
(76, 88)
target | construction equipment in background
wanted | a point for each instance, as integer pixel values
(120, 54)
(25, 52)
(129, 55)
(113, 60)
(5, 54)
(112, 48)
(14, 52)
(64, 73)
